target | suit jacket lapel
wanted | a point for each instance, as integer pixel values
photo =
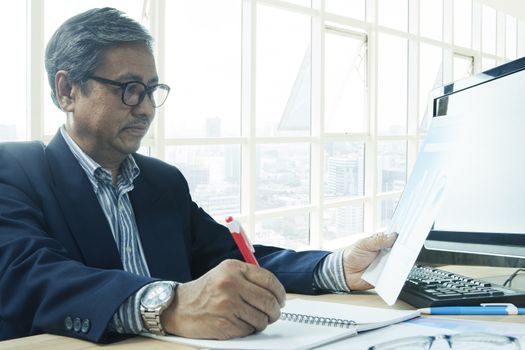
(158, 225)
(81, 208)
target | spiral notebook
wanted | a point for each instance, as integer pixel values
(305, 324)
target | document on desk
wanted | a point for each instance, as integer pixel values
(417, 208)
(425, 326)
(306, 324)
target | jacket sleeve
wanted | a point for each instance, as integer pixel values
(42, 287)
(212, 243)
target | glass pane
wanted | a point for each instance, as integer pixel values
(487, 63)
(283, 73)
(393, 13)
(463, 66)
(392, 87)
(343, 221)
(463, 23)
(391, 165)
(488, 30)
(203, 55)
(510, 37)
(430, 74)
(291, 232)
(213, 174)
(431, 20)
(345, 83)
(13, 118)
(55, 13)
(344, 169)
(307, 3)
(145, 151)
(385, 210)
(350, 8)
(283, 175)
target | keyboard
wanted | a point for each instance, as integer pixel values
(428, 286)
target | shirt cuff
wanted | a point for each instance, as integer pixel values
(128, 318)
(329, 275)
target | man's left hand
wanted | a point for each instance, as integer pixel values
(357, 257)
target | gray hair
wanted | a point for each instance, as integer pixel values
(79, 43)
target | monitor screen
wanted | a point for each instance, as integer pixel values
(484, 212)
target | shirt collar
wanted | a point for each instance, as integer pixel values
(129, 169)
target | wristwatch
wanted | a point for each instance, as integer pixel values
(156, 298)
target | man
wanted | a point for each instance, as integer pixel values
(97, 241)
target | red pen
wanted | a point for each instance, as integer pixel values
(240, 238)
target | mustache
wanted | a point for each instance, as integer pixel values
(141, 123)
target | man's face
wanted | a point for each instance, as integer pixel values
(103, 126)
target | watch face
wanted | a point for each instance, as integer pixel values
(156, 295)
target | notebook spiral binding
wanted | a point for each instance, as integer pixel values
(317, 320)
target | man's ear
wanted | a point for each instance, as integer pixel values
(65, 91)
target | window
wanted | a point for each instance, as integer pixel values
(511, 37)
(283, 175)
(488, 28)
(350, 8)
(345, 82)
(213, 174)
(393, 14)
(302, 120)
(344, 169)
(283, 72)
(431, 19)
(463, 23)
(203, 62)
(463, 66)
(430, 74)
(392, 84)
(13, 122)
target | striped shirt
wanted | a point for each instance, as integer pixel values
(117, 208)
(115, 203)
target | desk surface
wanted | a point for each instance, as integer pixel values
(367, 298)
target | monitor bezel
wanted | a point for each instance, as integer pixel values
(486, 243)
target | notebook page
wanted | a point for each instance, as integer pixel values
(365, 317)
(284, 335)
(288, 335)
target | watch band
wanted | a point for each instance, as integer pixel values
(151, 320)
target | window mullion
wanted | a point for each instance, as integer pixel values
(35, 77)
(248, 149)
(157, 24)
(317, 127)
(370, 191)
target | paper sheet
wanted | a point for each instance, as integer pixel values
(427, 326)
(295, 335)
(417, 208)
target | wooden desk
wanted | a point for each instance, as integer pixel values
(366, 298)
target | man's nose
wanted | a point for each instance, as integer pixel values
(145, 108)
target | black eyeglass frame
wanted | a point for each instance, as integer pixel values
(147, 89)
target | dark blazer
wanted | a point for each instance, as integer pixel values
(58, 259)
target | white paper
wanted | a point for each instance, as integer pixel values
(417, 208)
(427, 326)
(295, 335)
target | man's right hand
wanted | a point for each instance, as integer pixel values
(232, 300)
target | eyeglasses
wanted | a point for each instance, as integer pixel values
(133, 92)
(460, 341)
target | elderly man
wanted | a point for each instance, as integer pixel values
(97, 241)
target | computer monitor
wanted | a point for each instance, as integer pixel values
(484, 212)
